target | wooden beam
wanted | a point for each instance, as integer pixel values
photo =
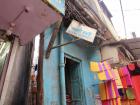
(53, 37)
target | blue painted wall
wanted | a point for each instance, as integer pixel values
(51, 70)
(51, 73)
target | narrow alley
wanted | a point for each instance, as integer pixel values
(68, 52)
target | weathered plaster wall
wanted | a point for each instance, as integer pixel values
(51, 73)
(16, 83)
(51, 70)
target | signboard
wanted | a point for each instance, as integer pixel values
(57, 4)
(81, 31)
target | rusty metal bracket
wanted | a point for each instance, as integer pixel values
(53, 37)
(66, 43)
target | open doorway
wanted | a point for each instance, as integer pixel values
(74, 89)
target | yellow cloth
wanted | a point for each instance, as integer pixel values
(119, 101)
(94, 66)
(102, 91)
(117, 79)
(102, 76)
(101, 68)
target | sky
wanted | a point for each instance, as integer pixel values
(36, 50)
(131, 10)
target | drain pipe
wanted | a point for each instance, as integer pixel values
(62, 71)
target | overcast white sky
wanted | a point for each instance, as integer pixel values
(131, 13)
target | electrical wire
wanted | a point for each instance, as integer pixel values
(128, 10)
(123, 18)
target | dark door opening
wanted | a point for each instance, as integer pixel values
(74, 90)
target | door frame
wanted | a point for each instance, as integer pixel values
(80, 73)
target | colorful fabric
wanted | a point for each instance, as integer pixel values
(115, 89)
(107, 69)
(128, 81)
(130, 93)
(136, 85)
(107, 65)
(133, 102)
(125, 71)
(102, 69)
(108, 90)
(124, 83)
(125, 77)
(122, 93)
(102, 76)
(116, 101)
(117, 79)
(106, 102)
(131, 67)
(102, 91)
(125, 102)
(96, 66)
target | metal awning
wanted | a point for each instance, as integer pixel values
(133, 45)
(26, 18)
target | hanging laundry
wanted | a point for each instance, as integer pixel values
(136, 85)
(96, 66)
(107, 65)
(125, 77)
(131, 66)
(115, 88)
(122, 93)
(116, 101)
(108, 90)
(117, 79)
(107, 71)
(102, 91)
(133, 102)
(103, 70)
(102, 76)
(125, 102)
(106, 102)
(134, 69)
(130, 93)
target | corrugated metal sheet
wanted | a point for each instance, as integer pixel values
(26, 18)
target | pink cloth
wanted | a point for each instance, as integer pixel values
(125, 77)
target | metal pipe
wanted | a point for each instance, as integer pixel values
(62, 71)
